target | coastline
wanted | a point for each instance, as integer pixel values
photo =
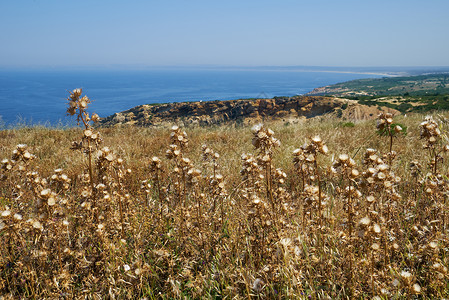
(114, 90)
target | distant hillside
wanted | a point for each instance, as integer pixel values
(410, 85)
(412, 93)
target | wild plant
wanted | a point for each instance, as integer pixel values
(90, 141)
(306, 162)
(431, 133)
(157, 172)
(266, 211)
(345, 167)
(13, 172)
(179, 142)
(253, 179)
(435, 184)
(216, 186)
(386, 127)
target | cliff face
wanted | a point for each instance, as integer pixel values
(220, 112)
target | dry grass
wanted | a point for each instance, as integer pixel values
(309, 210)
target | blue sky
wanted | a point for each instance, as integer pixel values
(52, 33)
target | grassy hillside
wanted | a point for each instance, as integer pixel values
(421, 93)
(410, 85)
(319, 209)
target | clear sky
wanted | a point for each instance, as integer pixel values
(54, 33)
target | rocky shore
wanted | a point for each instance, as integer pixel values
(248, 111)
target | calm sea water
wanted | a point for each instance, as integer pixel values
(39, 97)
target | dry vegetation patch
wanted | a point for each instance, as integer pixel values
(316, 209)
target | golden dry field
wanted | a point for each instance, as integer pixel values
(321, 209)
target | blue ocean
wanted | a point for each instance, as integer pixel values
(35, 97)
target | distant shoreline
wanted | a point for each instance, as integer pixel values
(375, 71)
(354, 72)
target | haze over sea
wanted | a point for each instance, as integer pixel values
(34, 97)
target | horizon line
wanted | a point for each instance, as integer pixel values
(146, 66)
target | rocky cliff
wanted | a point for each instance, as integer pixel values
(247, 111)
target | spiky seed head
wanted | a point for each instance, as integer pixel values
(370, 198)
(45, 193)
(324, 149)
(286, 242)
(370, 151)
(365, 221)
(373, 157)
(395, 282)
(26, 155)
(371, 171)
(257, 201)
(297, 152)
(21, 147)
(261, 135)
(316, 139)
(406, 275)
(376, 228)
(257, 127)
(37, 225)
(6, 213)
(351, 162)
(355, 173)
(51, 201)
(77, 92)
(343, 157)
(87, 133)
(266, 158)
(95, 118)
(433, 245)
(383, 167)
